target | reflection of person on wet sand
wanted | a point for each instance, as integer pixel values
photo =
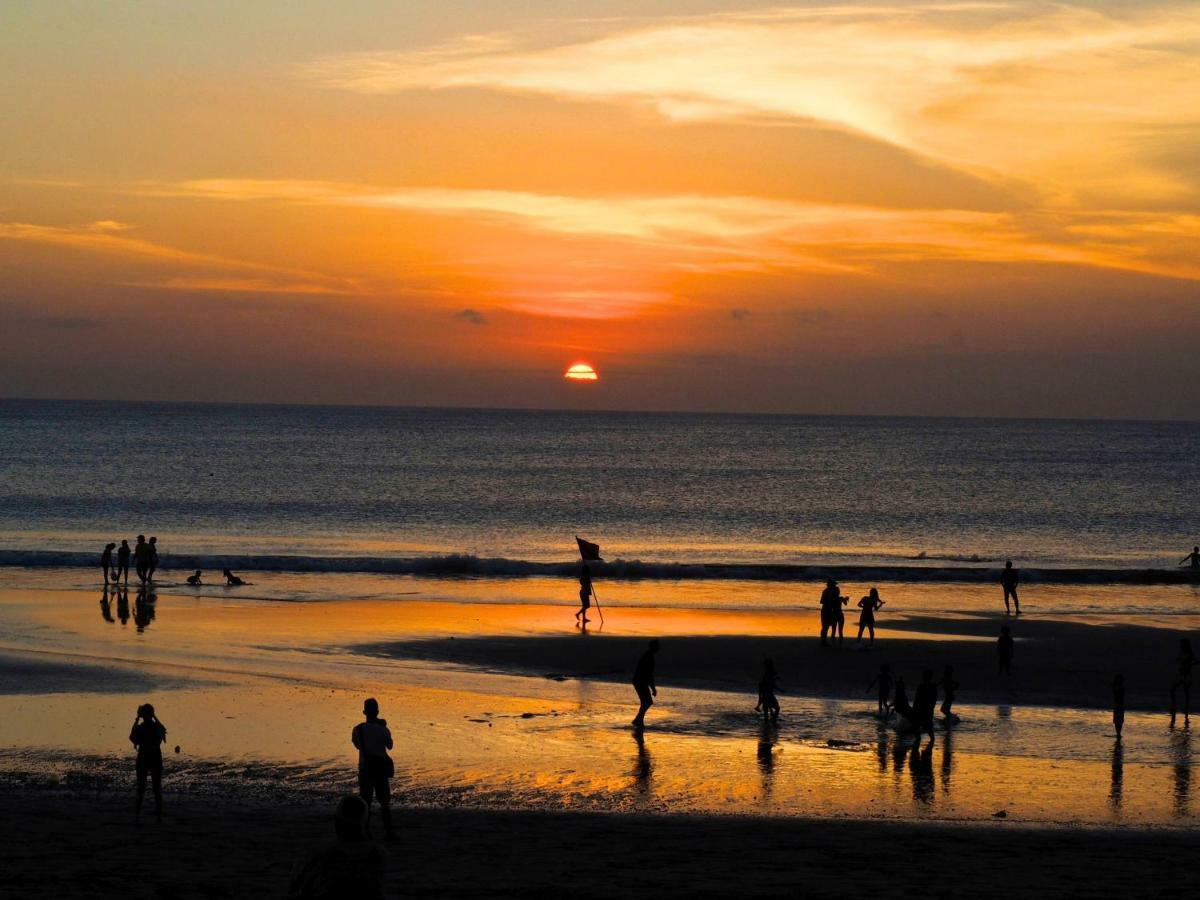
(143, 609)
(1185, 661)
(1008, 581)
(106, 606)
(373, 739)
(1004, 652)
(884, 680)
(123, 604)
(643, 683)
(231, 580)
(353, 867)
(147, 736)
(768, 684)
(1117, 788)
(869, 605)
(1118, 692)
(585, 595)
(643, 766)
(1192, 560)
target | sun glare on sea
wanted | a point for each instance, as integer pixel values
(581, 372)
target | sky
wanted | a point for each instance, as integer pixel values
(944, 208)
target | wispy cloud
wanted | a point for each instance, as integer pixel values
(471, 317)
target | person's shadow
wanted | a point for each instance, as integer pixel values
(920, 767)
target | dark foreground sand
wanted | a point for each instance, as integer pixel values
(1057, 663)
(86, 845)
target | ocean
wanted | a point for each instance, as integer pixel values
(397, 489)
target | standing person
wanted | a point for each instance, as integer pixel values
(373, 739)
(585, 594)
(1192, 560)
(643, 683)
(1118, 691)
(1004, 651)
(1186, 661)
(884, 681)
(1008, 581)
(147, 736)
(831, 602)
(152, 559)
(123, 562)
(141, 557)
(869, 605)
(106, 562)
(949, 688)
(924, 703)
(768, 684)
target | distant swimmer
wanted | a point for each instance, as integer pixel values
(831, 609)
(194, 580)
(949, 689)
(1004, 652)
(147, 737)
(869, 605)
(1118, 692)
(231, 580)
(1192, 560)
(884, 682)
(585, 595)
(1008, 580)
(1185, 661)
(122, 562)
(152, 567)
(643, 683)
(106, 562)
(768, 684)
(924, 703)
(373, 739)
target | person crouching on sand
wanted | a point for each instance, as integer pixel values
(231, 580)
(194, 579)
(373, 739)
(643, 683)
(869, 605)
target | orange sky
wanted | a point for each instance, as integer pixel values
(943, 208)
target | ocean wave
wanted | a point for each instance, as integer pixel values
(467, 565)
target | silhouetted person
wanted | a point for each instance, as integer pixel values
(152, 565)
(141, 557)
(194, 579)
(1009, 580)
(884, 681)
(831, 604)
(924, 703)
(839, 619)
(123, 604)
(106, 606)
(106, 562)
(585, 594)
(643, 683)
(1118, 691)
(352, 868)
(949, 690)
(375, 768)
(1004, 652)
(123, 562)
(148, 735)
(1185, 661)
(231, 580)
(1192, 559)
(768, 684)
(869, 605)
(900, 703)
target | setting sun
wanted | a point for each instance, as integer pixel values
(581, 372)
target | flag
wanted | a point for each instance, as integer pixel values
(587, 550)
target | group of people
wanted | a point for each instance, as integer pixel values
(833, 619)
(145, 560)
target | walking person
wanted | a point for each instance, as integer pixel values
(373, 739)
(1185, 661)
(869, 605)
(147, 736)
(949, 688)
(122, 562)
(1009, 580)
(152, 559)
(1118, 693)
(585, 595)
(768, 684)
(106, 562)
(884, 680)
(643, 683)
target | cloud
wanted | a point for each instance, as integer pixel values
(471, 317)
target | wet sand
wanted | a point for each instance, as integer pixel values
(81, 844)
(1066, 664)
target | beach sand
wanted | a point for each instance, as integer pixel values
(86, 845)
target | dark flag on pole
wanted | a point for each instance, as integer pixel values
(587, 550)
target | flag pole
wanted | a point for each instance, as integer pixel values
(598, 609)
